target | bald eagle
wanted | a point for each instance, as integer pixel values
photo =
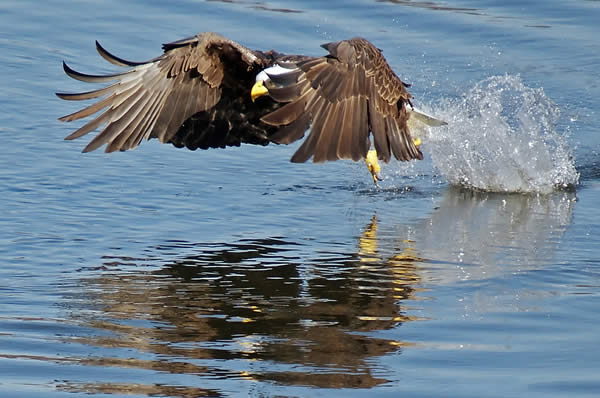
(207, 91)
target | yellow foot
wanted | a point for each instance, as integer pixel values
(373, 163)
(373, 166)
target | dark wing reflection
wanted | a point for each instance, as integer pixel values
(254, 301)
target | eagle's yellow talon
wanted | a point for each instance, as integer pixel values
(373, 166)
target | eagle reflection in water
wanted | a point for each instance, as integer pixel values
(251, 302)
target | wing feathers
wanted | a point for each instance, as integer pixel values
(293, 131)
(90, 78)
(347, 94)
(90, 126)
(307, 149)
(147, 122)
(143, 112)
(90, 110)
(113, 59)
(155, 98)
(360, 143)
(343, 148)
(118, 120)
(331, 88)
(286, 114)
(136, 117)
(87, 95)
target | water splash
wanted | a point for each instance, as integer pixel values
(501, 137)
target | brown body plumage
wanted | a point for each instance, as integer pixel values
(197, 95)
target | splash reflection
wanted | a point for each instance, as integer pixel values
(494, 234)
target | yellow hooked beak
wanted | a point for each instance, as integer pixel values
(373, 166)
(258, 90)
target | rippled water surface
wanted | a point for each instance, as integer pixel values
(163, 272)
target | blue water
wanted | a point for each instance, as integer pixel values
(163, 272)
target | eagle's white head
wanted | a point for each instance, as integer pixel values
(263, 79)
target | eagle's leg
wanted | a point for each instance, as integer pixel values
(373, 163)
(373, 166)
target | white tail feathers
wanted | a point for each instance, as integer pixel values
(419, 123)
(424, 118)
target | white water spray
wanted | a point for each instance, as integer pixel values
(501, 136)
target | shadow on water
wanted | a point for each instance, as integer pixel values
(289, 311)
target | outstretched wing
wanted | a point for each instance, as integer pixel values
(343, 97)
(154, 99)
